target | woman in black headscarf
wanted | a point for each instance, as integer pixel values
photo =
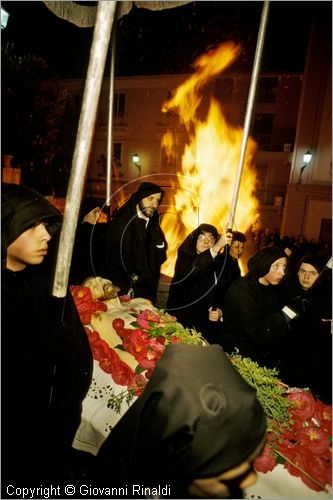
(46, 357)
(196, 419)
(194, 296)
(255, 319)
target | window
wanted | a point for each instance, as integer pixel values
(263, 123)
(267, 89)
(117, 151)
(261, 185)
(117, 166)
(119, 105)
(223, 89)
(262, 130)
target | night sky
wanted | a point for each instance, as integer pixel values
(157, 42)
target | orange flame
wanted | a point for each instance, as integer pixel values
(209, 161)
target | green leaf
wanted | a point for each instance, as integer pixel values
(139, 369)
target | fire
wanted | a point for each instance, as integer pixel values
(209, 161)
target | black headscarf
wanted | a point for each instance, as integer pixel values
(189, 245)
(316, 261)
(260, 263)
(197, 417)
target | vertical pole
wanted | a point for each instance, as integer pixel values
(249, 109)
(101, 39)
(110, 123)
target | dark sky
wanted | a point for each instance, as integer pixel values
(157, 42)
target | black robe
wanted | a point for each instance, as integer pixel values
(254, 321)
(134, 253)
(46, 358)
(195, 287)
(307, 360)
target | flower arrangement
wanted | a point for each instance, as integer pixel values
(145, 340)
(299, 426)
(303, 444)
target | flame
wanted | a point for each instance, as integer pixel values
(205, 184)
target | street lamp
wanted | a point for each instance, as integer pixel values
(307, 157)
(306, 160)
(136, 160)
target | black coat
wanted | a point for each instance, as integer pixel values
(307, 361)
(46, 358)
(253, 320)
(132, 249)
(195, 286)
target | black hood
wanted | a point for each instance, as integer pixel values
(189, 245)
(259, 264)
(21, 208)
(197, 417)
(146, 189)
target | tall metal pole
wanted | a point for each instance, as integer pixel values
(110, 123)
(249, 109)
(100, 44)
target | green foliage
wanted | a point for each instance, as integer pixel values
(116, 400)
(271, 392)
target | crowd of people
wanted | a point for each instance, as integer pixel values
(278, 313)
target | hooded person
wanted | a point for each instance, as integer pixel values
(256, 316)
(194, 296)
(308, 360)
(196, 419)
(46, 357)
(135, 246)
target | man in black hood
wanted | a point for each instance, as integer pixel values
(195, 430)
(135, 246)
(46, 357)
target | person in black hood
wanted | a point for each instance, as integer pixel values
(46, 356)
(195, 424)
(308, 360)
(194, 296)
(135, 246)
(256, 320)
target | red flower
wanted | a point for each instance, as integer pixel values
(124, 298)
(314, 439)
(85, 303)
(122, 374)
(145, 317)
(266, 461)
(304, 405)
(323, 415)
(139, 384)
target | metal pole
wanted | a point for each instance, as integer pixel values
(249, 109)
(100, 44)
(110, 124)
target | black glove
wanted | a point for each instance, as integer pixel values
(297, 306)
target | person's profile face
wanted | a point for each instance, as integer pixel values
(149, 204)
(230, 483)
(30, 247)
(236, 249)
(275, 273)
